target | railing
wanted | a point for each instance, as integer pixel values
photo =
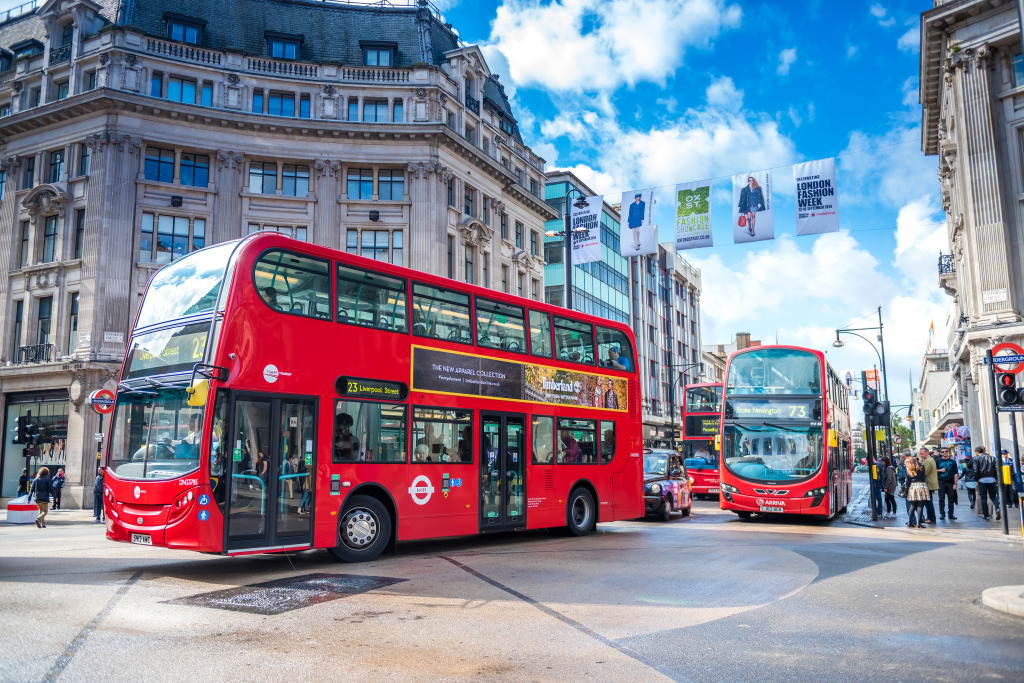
(269, 66)
(185, 53)
(37, 353)
(59, 55)
(472, 104)
(372, 75)
(15, 12)
(946, 264)
(6, 77)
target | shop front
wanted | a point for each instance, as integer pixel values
(35, 435)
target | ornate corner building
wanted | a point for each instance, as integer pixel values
(972, 95)
(132, 133)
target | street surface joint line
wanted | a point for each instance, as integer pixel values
(65, 658)
(632, 654)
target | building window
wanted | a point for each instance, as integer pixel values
(159, 165)
(50, 240)
(90, 80)
(295, 181)
(25, 229)
(353, 109)
(469, 133)
(519, 234)
(62, 90)
(56, 165)
(468, 203)
(207, 95)
(399, 114)
(360, 183)
(485, 211)
(535, 289)
(533, 187)
(451, 256)
(19, 313)
(156, 84)
(504, 226)
(281, 104)
(282, 46)
(73, 324)
(33, 97)
(391, 185)
(263, 177)
(396, 248)
(485, 268)
(44, 321)
(469, 264)
(1018, 70)
(29, 179)
(83, 159)
(195, 169)
(304, 111)
(79, 232)
(5, 110)
(352, 242)
(507, 127)
(378, 55)
(375, 111)
(504, 279)
(519, 282)
(375, 245)
(181, 90)
(175, 236)
(534, 241)
(553, 252)
(184, 30)
(296, 232)
(67, 34)
(257, 101)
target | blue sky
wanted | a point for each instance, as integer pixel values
(633, 94)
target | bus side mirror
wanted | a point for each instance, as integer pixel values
(197, 393)
(718, 443)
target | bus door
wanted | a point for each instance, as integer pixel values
(272, 470)
(502, 471)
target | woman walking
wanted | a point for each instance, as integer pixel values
(889, 486)
(917, 494)
(751, 201)
(42, 487)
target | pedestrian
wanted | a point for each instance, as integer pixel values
(987, 469)
(947, 476)
(931, 479)
(878, 470)
(1009, 490)
(97, 498)
(901, 475)
(889, 486)
(917, 493)
(969, 478)
(23, 482)
(42, 487)
(58, 487)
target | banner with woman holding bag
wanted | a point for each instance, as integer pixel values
(752, 207)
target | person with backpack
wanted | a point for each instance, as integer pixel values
(969, 478)
(42, 488)
(987, 470)
(58, 487)
(889, 488)
(97, 498)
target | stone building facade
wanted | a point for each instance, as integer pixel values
(135, 132)
(972, 95)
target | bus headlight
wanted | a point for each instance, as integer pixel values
(729, 488)
(820, 491)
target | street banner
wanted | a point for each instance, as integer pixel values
(817, 206)
(637, 232)
(752, 207)
(872, 378)
(585, 224)
(693, 215)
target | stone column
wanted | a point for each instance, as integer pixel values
(326, 220)
(10, 239)
(227, 214)
(428, 217)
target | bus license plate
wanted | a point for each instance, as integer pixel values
(767, 508)
(142, 539)
(712, 490)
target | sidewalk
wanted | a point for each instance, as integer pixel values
(967, 525)
(56, 517)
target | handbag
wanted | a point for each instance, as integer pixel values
(903, 489)
(743, 221)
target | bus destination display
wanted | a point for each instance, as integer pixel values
(770, 409)
(699, 425)
(175, 350)
(359, 387)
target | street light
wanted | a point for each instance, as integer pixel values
(566, 233)
(700, 374)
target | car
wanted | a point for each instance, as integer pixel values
(860, 468)
(667, 486)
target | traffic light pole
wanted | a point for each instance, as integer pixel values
(997, 446)
(869, 428)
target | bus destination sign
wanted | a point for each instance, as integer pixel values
(360, 387)
(699, 425)
(173, 350)
(770, 409)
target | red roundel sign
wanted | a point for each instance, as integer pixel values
(101, 400)
(1015, 350)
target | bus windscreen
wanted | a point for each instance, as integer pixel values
(175, 350)
(188, 287)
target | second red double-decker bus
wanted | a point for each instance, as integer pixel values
(785, 434)
(282, 396)
(702, 420)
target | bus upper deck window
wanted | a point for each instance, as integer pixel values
(614, 350)
(574, 341)
(500, 326)
(441, 314)
(540, 334)
(295, 284)
(371, 299)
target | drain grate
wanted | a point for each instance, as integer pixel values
(284, 595)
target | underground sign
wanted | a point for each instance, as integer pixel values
(101, 400)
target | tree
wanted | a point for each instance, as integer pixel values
(860, 454)
(907, 433)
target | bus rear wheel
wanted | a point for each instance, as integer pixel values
(581, 513)
(364, 530)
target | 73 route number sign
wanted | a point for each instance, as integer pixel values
(101, 400)
(1015, 357)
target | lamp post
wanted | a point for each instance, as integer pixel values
(673, 394)
(566, 233)
(838, 343)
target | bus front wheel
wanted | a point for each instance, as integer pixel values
(581, 513)
(744, 514)
(364, 530)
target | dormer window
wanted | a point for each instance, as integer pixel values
(377, 53)
(506, 126)
(184, 29)
(283, 45)
(26, 48)
(67, 34)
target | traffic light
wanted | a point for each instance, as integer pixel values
(870, 397)
(1006, 387)
(22, 436)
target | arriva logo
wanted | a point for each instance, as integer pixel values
(421, 490)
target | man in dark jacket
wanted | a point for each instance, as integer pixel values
(58, 487)
(987, 470)
(947, 470)
(97, 498)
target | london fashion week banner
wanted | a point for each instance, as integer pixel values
(585, 224)
(752, 207)
(693, 215)
(637, 232)
(817, 206)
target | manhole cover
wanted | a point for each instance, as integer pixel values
(284, 595)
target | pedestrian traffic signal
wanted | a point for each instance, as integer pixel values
(1006, 388)
(870, 397)
(22, 436)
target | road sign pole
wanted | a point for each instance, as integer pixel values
(997, 447)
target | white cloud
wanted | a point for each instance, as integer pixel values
(879, 12)
(590, 45)
(910, 96)
(723, 93)
(598, 181)
(911, 40)
(786, 59)
(888, 168)
(851, 51)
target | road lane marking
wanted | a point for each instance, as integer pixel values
(632, 654)
(65, 658)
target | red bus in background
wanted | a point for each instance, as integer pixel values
(702, 419)
(279, 396)
(786, 445)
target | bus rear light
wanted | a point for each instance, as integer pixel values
(182, 504)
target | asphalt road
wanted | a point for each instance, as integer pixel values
(705, 598)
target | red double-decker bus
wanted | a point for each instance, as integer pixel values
(785, 434)
(279, 396)
(702, 420)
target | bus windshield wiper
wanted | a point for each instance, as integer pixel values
(156, 383)
(124, 388)
(781, 428)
